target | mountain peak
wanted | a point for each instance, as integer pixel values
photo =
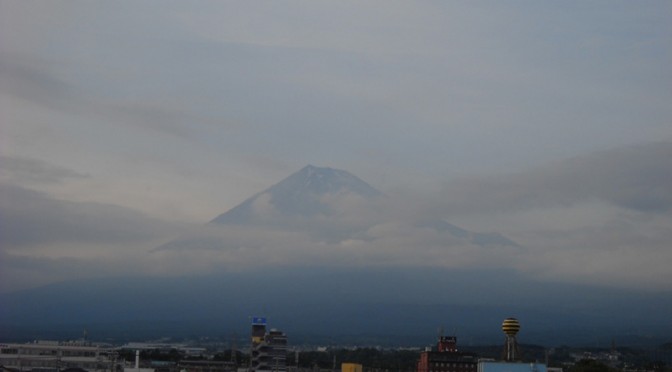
(323, 180)
(302, 194)
(326, 203)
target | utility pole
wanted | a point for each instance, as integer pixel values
(296, 359)
(233, 345)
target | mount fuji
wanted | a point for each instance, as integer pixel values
(325, 255)
(302, 194)
(328, 204)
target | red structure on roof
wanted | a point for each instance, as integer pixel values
(446, 358)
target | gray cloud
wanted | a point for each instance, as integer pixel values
(22, 170)
(610, 208)
(635, 177)
(32, 81)
(46, 239)
(32, 218)
(176, 107)
(621, 244)
(39, 82)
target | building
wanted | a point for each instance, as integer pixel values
(206, 366)
(268, 350)
(351, 367)
(137, 368)
(446, 358)
(54, 356)
(491, 366)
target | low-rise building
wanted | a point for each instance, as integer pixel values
(492, 366)
(54, 356)
(446, 358)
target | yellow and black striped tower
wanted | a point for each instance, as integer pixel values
(510, 327)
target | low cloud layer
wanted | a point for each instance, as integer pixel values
(600, 219)
(44, 238)
(31, 219)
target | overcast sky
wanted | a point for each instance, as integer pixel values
(125, 123)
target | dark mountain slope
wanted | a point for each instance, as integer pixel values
(395, 303)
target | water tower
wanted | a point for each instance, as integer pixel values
(510, 327)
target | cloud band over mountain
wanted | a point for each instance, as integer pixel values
(618, 224)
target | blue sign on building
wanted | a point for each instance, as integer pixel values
(258, 320)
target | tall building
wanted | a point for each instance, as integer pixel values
(446, 358)
(268, 349)
(258, 330)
